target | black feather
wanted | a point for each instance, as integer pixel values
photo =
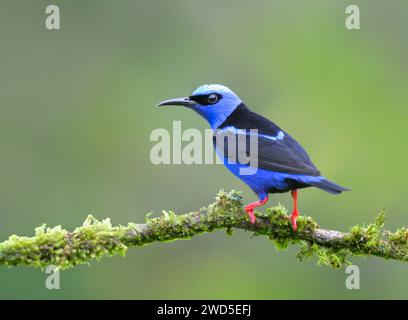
(281, 155)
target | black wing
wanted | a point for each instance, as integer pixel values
(275, 151)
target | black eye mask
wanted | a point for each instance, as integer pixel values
(203, 98)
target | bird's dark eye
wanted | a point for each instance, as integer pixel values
(212, 98)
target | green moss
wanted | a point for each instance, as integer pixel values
(281, 244)
(361, 240)
(331, 257)
(229, 231)
(367, 239)
(96, 239)
(306, 224)
(56, 246)
(400, 237)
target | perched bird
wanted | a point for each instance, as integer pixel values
(282, 164)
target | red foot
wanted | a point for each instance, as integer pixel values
(295, 212)
(293, 218)
(250, 208)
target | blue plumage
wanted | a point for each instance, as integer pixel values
(281, 163)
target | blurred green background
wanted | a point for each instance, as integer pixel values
(77, 110)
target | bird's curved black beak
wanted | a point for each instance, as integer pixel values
(185, 101)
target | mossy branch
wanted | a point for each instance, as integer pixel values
(95, 239)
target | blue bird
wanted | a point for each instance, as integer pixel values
(282, 164)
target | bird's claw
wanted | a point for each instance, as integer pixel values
(249, 209)
(293, 219)
(251, 214)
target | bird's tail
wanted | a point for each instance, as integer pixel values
(328, 186)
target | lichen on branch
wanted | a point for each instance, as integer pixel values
(96, 239)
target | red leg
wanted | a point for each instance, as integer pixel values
(250, 208)
(295, 212)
